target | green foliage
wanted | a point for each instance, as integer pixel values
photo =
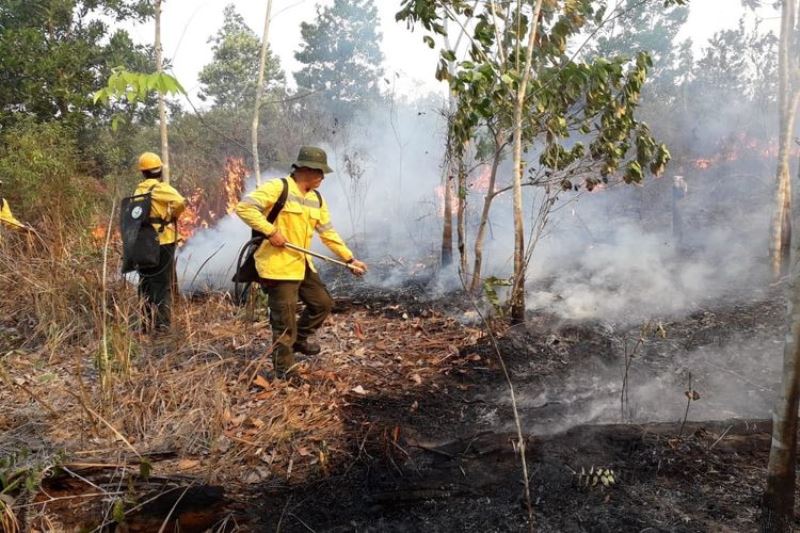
(646, 27)
(118, 511)
(581, 114)
(490, 286)
(21, 472)
(145, 469)
(55, 53)
(135, 86)
(231, 77)
(341, 56)
(42, 171)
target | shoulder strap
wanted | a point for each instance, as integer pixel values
(276, 209)
(155, 220)
(278, 206)
(319, 197)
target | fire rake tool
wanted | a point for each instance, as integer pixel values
(296, 248)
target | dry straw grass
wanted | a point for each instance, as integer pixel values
(194, 403)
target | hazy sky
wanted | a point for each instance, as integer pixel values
(188, 24)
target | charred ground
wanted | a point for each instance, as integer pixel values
(404, 423)
(442, 459)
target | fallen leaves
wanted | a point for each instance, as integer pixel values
(254, 427)
(260, 381)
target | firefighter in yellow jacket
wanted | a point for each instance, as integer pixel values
(7, 218)
(287, 274)
(156, 284)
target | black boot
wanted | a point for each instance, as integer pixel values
(307, 348)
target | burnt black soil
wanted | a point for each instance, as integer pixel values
(446, 459)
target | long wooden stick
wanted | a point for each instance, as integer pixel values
(320, 256)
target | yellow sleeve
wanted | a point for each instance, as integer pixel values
(330, 237)
(170, 197)
(8, 218)
(254, 207)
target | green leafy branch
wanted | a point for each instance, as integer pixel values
(133, 87)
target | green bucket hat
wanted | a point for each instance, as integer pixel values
(312, 157)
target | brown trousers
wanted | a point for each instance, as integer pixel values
(282, 298)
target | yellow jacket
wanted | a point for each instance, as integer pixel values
(297, 221)
(7, 218)
(167, 204)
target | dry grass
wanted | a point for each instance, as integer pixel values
(194, 403)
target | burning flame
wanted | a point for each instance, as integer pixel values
(740, 146)
(203, 211)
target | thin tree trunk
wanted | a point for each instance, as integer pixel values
(461, 215)
(780, 242)
(778, 501)
(484, 222)
(518, 286)
(259, 92)
(162, 109)
(447, 235)
(787, 104)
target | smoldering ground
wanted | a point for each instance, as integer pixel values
(607, 257)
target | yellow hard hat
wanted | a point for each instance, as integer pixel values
(149, 161)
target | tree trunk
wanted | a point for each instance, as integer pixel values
(259, 91)
(778, 501)
(780, 241)
(518, 286)
(447, 235)
(461, 216)
(475, 284)
(162, 110)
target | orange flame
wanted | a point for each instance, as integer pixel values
(203, 211)
(740, 146)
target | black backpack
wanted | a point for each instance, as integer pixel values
(140, 246)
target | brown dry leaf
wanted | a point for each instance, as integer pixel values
(416, 378)
(358, 331)
(188, 464)
(259, 381)
(256, 422)
(473, 357)
(236, 421)
(359, 390)
(303, 451)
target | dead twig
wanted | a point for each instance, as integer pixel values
(727, 429)
(283, 513)
(515, 411)
(38, 400)
(174, 506)
(108, 424)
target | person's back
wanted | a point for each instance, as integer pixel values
(156, 283)
(7, 217)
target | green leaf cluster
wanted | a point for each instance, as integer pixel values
(341, 56)
(135, 86)
(578, 113)
(230, 78)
